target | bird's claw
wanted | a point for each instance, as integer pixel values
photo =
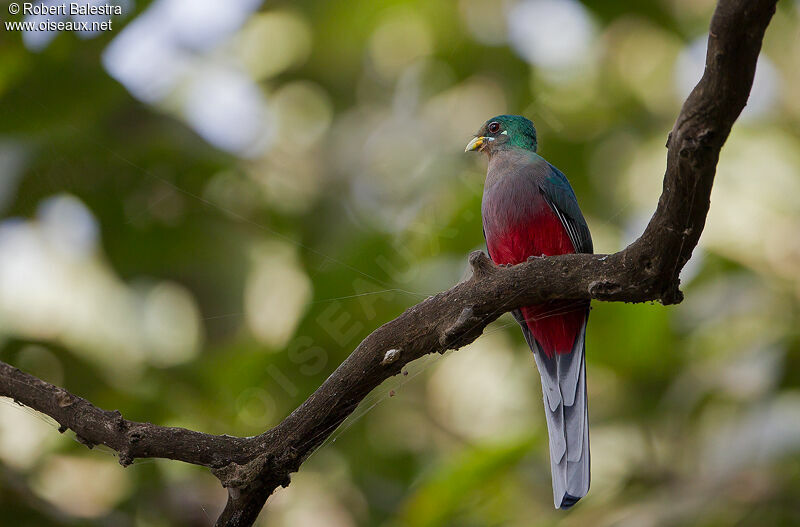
(534, 257)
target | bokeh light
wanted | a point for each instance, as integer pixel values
(552, 34)
(766, 84)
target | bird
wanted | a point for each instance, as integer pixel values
(529, 210)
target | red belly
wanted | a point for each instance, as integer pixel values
(554, 324)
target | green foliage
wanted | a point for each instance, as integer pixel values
(443, 493)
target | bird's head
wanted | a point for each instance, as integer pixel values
(504, 132)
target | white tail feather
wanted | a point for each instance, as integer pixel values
(565, 408)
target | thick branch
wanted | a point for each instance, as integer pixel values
(648, 269)
(130, 439)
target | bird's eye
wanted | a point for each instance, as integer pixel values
(494, 127)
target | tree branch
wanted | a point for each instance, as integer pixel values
(252, 468)
(130, 439)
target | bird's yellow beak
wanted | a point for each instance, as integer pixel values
(477, 143)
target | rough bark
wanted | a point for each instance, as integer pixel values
(647, 270)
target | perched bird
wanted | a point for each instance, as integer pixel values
(529, 210)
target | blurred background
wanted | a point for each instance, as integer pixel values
(203, 211)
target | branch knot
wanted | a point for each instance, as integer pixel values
(601, 289)
(64, 398)
(464, 330)
(391, 356)
(481, 265)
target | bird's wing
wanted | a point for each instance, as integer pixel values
(559, 195)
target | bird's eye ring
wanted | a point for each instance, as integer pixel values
(494, 127)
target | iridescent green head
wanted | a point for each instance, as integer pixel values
(504, 132)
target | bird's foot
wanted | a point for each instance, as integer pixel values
(504, 265)
(534, 257)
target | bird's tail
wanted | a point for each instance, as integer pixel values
(565, 407)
